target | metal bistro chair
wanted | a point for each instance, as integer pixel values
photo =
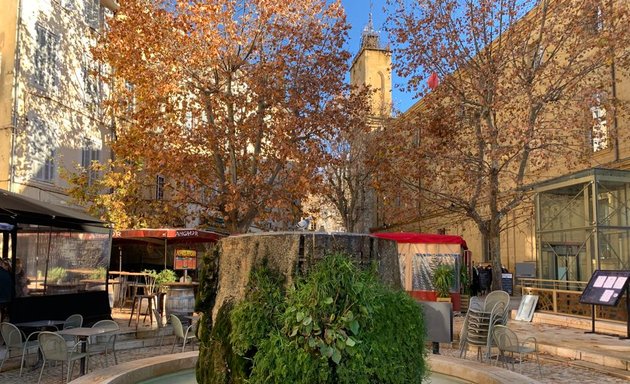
(54, 348)
(107, 341)
(495, 297)
(180, 333)
(16, 342)
(507, 341)
(73, 321)
(477, 329)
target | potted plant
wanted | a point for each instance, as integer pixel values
(99, 273)
(163, 277)
(57, 275)
(443, 278)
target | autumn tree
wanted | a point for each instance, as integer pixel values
(232, 102)
(521, 83)
(347, 175)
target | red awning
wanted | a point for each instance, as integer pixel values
(422, 238)
(173, 235)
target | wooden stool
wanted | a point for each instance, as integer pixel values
(137, 299)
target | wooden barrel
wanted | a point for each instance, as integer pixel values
(180, 300)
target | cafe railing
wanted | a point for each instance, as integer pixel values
(563, 297)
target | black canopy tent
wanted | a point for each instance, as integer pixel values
(17, 209)
(80, 240)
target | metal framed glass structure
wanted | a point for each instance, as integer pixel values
(582, 224)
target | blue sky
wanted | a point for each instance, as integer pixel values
(357, 12)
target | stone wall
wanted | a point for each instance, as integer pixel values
(292, 253)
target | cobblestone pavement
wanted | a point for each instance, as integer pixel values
(553, 371)
(53, 374)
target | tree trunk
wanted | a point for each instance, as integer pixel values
(494, 241)
(494, 230)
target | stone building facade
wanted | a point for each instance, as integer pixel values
(52, 117)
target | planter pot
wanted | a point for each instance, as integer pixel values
(463, 302)
(443, 299)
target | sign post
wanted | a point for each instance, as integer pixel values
(606, 288)
(185, 259)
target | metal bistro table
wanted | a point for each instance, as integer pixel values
(83, 333)
(40, 324)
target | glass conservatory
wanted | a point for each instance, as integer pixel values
(582, 224)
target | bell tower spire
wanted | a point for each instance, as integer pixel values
(372, 67)
(370, 38)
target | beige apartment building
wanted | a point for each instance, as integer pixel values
(577, 218)
(52, 119)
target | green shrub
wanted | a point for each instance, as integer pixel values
(57, 274)
(99, 273)
(254, 318)
(395, 352)
(338, 325)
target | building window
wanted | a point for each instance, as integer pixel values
(159, 188)
(46, 171)
(595, 19)
(91, 84)
(42, 151)
(189, 123)
(130, 97)
(46, 71)
(599, 129)
(485, 251)
(538, 58)
(89, 154)
(92, 13)
(69, 4)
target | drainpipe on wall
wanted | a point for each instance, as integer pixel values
(16, 73)
(613, 77)
(614, 95)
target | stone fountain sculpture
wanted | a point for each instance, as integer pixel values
(226, 273)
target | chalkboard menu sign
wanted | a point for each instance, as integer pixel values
(185, 259)
(605, 287)
(506, 282)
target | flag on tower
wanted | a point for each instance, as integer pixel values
(433, 81)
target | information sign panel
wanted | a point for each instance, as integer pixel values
(605, 287)
(185, 259)
(526, 308)
(506, 283)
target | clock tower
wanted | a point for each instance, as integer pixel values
(372, 67)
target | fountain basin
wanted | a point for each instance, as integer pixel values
(133, 372)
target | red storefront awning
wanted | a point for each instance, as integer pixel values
(422, 238)
(172, 235)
